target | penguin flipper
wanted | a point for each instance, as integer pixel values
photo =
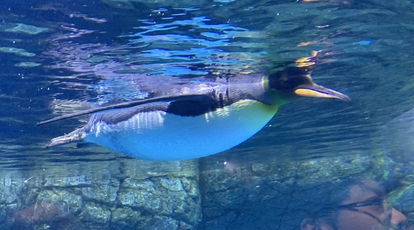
(74, 136)
(123, 105)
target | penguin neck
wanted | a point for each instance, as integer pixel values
(277, 97)
(257, 87)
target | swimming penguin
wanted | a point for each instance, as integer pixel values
(194, 120)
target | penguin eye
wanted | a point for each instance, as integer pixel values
(289, 79)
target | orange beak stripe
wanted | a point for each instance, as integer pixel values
(312, 93)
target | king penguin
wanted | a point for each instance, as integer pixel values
(196, 120)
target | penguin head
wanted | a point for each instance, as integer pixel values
(295, 82)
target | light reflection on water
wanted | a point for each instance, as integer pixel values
(89, 61)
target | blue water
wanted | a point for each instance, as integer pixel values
(58, 57)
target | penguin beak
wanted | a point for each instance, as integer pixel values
(320, 91)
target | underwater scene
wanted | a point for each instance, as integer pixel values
(207, 115)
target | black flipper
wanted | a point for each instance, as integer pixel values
(125, 105)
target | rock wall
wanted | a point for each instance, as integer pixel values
(136, 198)
(269, 194)
(264, 194)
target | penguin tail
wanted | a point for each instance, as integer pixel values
(74, 136)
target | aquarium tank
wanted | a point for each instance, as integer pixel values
(206, 115)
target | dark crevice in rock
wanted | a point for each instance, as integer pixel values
(290, 196)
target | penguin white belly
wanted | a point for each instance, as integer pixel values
(162, 136)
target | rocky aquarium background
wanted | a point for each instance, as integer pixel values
(264, 194)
